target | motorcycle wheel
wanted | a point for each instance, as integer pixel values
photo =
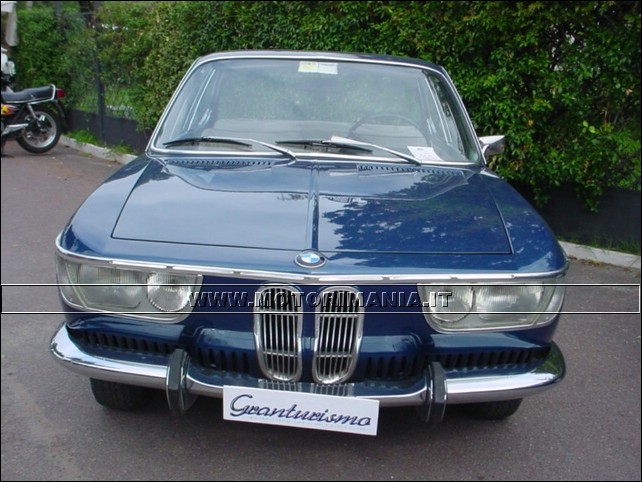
(46, 137)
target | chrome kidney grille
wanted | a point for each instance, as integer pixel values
(278, 322)
(338, 329)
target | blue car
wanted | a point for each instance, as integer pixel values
(312, 236)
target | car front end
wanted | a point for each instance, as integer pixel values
(283, 245)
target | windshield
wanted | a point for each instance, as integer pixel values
(315, 108)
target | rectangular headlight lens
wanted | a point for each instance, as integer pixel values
(148, 294)
(491, 306)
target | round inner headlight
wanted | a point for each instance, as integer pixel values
(168, 292)
(454, 303)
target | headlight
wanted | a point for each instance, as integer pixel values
(109, 287)
(148, 294)
(167, 292)
(451, 304)
(490, 306)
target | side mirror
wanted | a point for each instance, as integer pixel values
(492, 145)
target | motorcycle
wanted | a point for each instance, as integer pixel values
(8, 71)
(34, 117)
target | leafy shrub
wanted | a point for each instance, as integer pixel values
(38, 56)
(560, 79)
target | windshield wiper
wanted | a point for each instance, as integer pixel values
(353, 142)
(237, 141)
(197, 140)
(324, 145)
(347, 143)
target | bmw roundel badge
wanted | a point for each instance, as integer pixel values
(310, 259)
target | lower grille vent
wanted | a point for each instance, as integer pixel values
(400, 367)
(124, 343)
(491, 359)
(228, 361)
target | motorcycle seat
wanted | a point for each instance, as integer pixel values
(30, 95)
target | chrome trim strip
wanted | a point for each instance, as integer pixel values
(309, 278)
(465, 389)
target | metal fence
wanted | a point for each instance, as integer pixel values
(101, 92)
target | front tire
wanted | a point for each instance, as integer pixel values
(44, 135)
(492, 410)
(120, 396)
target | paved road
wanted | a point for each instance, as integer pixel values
(587, 428)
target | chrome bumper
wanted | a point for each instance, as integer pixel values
(190, 379)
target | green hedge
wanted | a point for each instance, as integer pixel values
(560, 79)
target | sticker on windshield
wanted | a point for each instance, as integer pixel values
(424, 153)
(310, 67)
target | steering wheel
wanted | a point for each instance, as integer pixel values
(382, 115)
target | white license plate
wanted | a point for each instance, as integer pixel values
(303, 410)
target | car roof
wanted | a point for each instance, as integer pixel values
(318, 55)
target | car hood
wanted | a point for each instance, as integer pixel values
(333, 207)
